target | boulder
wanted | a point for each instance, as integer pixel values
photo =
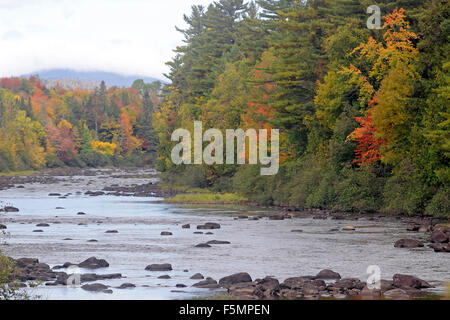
(166, 233)
(439, 237)
(407, 281)
(159, 267)
(186, 226)
(349, 284)
(90, 277)
(296, 283)
(349, 228)
(408, 243)
(166, 276)
(95, 287)
(112, 231)
(235, 278)
(309, 289)
(268, 284)
(203, 245)
(9, 209)
(3, 227)
(328, 275)
(440, 247)
(43, 225)
(126, 286)
(218, 242)
(94, 263)
(209, 226)
(208, 283)
(197, 276)
(180, 285)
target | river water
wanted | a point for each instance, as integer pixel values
(261, 248)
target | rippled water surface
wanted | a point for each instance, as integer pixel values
(261, 248)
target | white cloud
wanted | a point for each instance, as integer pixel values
(125, 36)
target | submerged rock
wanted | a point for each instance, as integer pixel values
(159, 267)
(235, 278)
(408, 243)
(218, 242)
(127, 286)
(203, 245)
(95, 287)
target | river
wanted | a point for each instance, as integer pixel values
(261, 248)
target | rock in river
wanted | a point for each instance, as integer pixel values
(208, 226)
(9, 209)
(43, 225)
(408, 243)
(126, 286)
(407, 281)
(166, 233)
(439, 237)
(328, 275)
(203, 245)
(3, 227)
(235, 278)
(159, 267)
(218, 242)
(95, 287)
(94, 263)
(209, 283)
(197, 276)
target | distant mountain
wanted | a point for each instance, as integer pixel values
(88, 78)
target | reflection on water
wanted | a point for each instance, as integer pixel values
(261, 248)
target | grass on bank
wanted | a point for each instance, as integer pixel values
(202, 196)
(18, 173)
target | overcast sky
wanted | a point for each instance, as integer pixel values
(133, 37)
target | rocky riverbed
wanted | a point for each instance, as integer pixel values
(110, 231)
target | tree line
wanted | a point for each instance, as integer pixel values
(363, 113)
(52, 127)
